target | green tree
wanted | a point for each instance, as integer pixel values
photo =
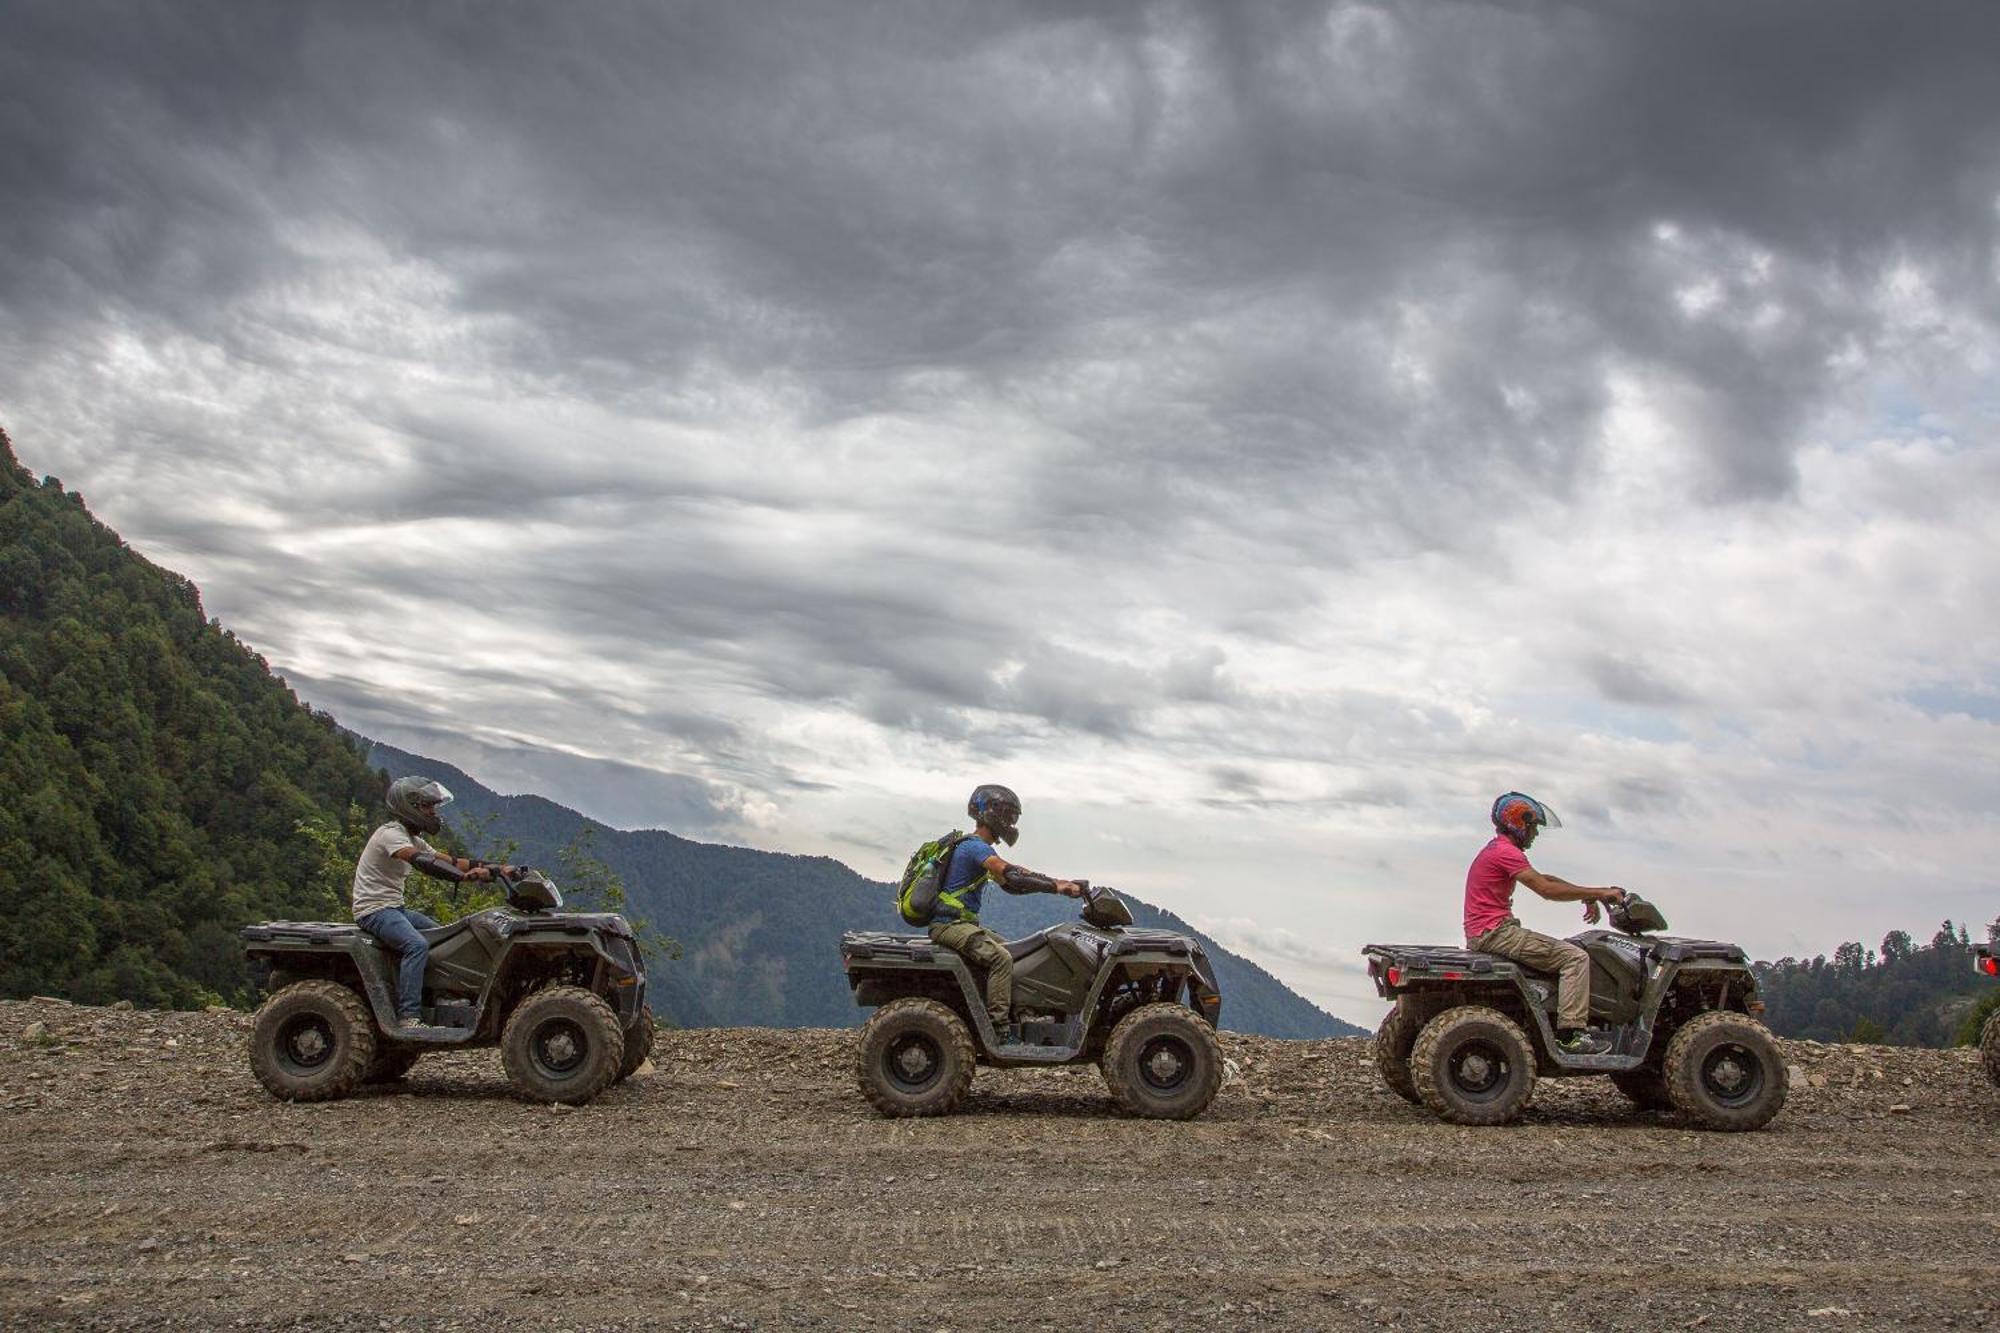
(591, 884)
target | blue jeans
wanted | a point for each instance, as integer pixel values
(397, 927)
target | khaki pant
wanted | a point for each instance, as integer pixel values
(1544, 953)
(982, 948)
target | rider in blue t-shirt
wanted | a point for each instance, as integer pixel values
(974, 865)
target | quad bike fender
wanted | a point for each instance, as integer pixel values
(338, 952)
(618, 974)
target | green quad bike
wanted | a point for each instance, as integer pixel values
(1986, 957)
(562, 994)
(1471, 1032)
(1140, 1003)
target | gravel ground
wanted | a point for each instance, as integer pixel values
(147, 1181)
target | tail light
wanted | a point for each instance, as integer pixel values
(1395, 975)
(1990, 966)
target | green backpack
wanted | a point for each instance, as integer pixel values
(923, 877)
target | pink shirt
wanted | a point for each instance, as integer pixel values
(1489, 886)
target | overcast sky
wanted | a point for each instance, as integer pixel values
(1258, 433)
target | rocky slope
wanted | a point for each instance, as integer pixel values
(146, 1181)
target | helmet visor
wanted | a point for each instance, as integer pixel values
(434, 794)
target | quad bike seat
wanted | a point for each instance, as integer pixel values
(450, 929)
(1027, 944)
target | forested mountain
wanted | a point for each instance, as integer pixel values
(761, 930)
(1906, 995)
(158, 786)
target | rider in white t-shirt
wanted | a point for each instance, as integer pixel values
(392, 852)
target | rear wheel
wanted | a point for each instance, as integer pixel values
(1989, 1048)
(312, 1041)
(391, 1063)
(1163, 1062)
(638, 1044)
(915, 1057)
(1393, 1041)
(1645, 1088)
(1723, 1071)
(1473, 1066)
(562, 1044)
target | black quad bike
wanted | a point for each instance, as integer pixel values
(1986, 957)
(1471, 1032)
(1140, 1003)
(562, 994)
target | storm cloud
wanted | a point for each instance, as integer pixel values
(1258, 432)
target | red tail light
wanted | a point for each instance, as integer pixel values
(1990, 966)
(1395, 975)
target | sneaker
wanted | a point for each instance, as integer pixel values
(1584, 1043)
(408, 1021)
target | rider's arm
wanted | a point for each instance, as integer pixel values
(1019, 879)
(1559, 890)
(439, 866)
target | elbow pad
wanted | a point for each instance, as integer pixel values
(1019, 880)
(437, 867)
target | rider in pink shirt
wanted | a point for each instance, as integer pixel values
(1491, 927)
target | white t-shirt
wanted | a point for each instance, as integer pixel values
(378, 875)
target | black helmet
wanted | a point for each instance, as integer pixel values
(998, 809)
(415, 801)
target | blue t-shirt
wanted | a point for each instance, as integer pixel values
(968, 866)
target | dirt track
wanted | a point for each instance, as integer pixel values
(147, 1181)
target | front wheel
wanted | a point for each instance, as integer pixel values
(312, 1041)
(1163, 1062)
(1645, 1088)
(638, 1044)
(1723, 1072)
(391, 1063)
(915, 1058)
(1473, 1066)
(562, 1044)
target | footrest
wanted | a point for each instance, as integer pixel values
(429, 1036)
(1610, 1062)
(1031, 1054)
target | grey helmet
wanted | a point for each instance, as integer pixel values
(415, 801)
(998, 808)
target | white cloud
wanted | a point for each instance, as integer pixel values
(1258, 469)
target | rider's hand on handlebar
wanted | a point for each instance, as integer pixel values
(1590, 912)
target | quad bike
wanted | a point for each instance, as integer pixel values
(1140, 1003)
(1471, 1032)
(1986, 957)
(562, 994)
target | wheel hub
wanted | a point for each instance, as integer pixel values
(1478, 1070)
(1731, 1074)
(306, 1042)
(912, 1061)
(1164, 1063)
(559, 1047)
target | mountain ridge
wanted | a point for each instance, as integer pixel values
(761, 929)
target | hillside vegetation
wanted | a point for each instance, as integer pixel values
(1907, 994)
(158, 786)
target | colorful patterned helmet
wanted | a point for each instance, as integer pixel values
(1518, 817)
(998, 808)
